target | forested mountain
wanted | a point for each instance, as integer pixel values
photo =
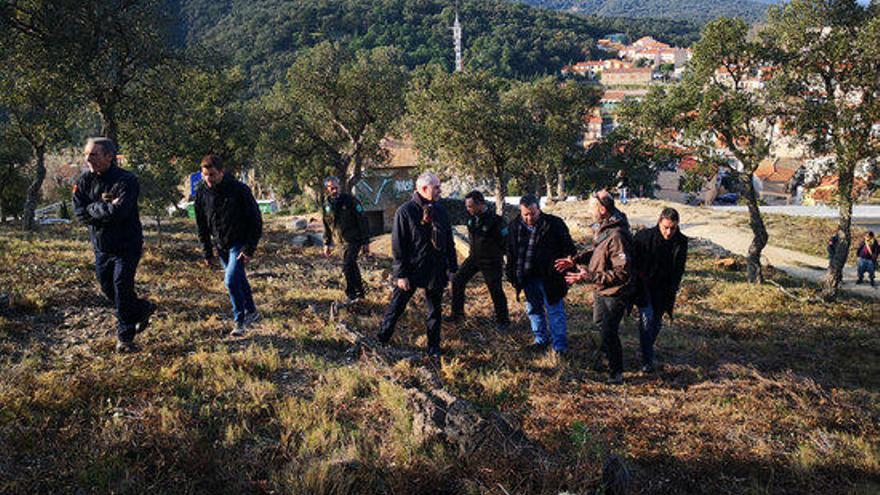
(693, 10)
(510, 39)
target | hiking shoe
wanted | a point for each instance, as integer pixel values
(239, 329)
(126, 347)
(453, 318)
(145, 320)
(537, 348)
(252, 318)
(615, 379)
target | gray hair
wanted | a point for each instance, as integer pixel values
(426, 179)
(331, 180)
(106, 144)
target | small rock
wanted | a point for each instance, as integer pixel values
(300, 223)
(300, 241)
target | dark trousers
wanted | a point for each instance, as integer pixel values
(354, 285)
(116, 277)
(493, 277)
(399, 299)
(607, 313)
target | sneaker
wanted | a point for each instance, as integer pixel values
(145, 320)
(353, 300)
(615, 379)
(239, 329)
(453, 318)
(126, 347)
(502, 327)
(537, 348)
(648, 368)
(252, 318)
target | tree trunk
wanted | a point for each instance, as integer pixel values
(33, 193)
(548, 183)
(560, 184)
(759, 235)
(500, 192)
(109, 126)
(159, 229)
(834, 276)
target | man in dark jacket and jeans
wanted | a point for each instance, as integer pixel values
(229, 221)
(487, 233)
(866, 257)
(660, 254)
(609, 269)
(345, 223)
(106, 199)
(536, 240)
(424, 257)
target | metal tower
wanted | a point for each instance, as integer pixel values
(456, 34)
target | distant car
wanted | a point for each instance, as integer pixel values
(50, 221)
(727, 199)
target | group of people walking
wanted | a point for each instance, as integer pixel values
(534, 251)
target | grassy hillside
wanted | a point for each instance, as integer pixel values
(692, 10)
(758, 393)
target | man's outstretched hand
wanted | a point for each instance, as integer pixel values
(562, 265)
(572, 278)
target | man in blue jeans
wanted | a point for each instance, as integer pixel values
(229, 221)
(866, 257)
(661, 255)
(535, 241)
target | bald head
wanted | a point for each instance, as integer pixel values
(603, 204)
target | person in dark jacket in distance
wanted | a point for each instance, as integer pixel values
(487, 233)
(535, 241)
(609, 269)
(345, 223)
(866, 257)
(106, 199)
(424, 257)
(660, 258)
(229, 222)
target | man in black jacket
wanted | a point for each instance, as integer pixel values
(345, 222)
(535, 242)
(661, 254)
(106, 199)
(229, 220)
(487, 233)
(424, 257)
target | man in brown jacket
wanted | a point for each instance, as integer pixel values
(609, 268)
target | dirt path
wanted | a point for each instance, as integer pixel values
(721, 228)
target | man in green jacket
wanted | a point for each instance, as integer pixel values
(346, 224)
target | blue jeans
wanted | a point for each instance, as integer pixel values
(236, 281)
(866, 266)
(543, 315)
(649, 327)
(622, 192)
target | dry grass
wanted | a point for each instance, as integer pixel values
(758, 393)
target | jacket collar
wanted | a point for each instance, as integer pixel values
(419, 200)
